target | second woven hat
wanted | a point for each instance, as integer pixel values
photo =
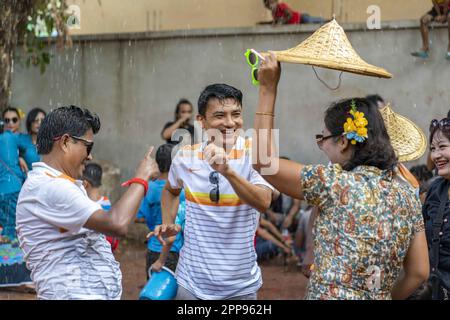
(329, 47)
(407, 139)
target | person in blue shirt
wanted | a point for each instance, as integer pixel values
(13, 271)
(150, 212)
(33, 123)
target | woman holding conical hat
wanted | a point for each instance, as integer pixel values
(370, 224)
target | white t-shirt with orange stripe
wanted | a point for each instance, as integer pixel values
(66, 260)
(218, 258)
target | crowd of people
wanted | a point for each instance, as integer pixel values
(213, 217)
(362, 226)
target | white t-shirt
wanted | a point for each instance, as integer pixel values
(218, 258)
(66, 260)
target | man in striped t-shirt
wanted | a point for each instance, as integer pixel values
(218, 259)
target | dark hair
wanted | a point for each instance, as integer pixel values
(448, 114)
(421, 173)
(71, 120)
(10, 109)
(376, 150)
(164, 157)
(220, 91)
(375, 98)
(181, 102)
(32, 116)
(93, 174)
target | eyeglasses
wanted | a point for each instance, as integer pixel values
(13, 120)
(87, 143)
(253, 61)
(443, 124)
(320, 138)
(214, 194)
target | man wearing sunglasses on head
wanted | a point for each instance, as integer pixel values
(218, 259)
(62, 231)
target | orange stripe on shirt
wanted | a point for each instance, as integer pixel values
(225, 200)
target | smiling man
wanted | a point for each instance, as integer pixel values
(61, 231)
(218, 259)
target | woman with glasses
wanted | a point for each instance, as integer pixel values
(436, 211)
(11, 119)
(369, 224)
(13, 271)
(33, 123)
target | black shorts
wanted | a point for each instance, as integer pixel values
(434, 13)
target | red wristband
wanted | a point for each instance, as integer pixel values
(136, 180)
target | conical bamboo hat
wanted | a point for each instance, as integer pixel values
(329, 47)
(407, 139)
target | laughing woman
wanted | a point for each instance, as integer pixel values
(437, 212)
(370, 224)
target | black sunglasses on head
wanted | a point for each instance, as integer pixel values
(443, 124)
(214, 194)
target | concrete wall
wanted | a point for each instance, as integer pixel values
(134, 84)
(114, 16)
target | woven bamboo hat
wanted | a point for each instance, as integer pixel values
(407, 139)
(329, 47)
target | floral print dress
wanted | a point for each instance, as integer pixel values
(367, 220)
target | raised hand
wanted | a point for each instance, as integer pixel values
(148, 168)
(165, 233)
(217, 158)
(269, 72)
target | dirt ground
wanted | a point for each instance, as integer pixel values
(280, 283)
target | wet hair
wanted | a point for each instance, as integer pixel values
(164, 157)
(10, 109)
(71, 120)
(93, 174)
(421, 173)
(375, 98)
(433, 131)
(219, 91)
(31, 116)
(376, 150)
(178, 107)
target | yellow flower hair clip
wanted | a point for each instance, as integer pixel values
(22, 114)
(356, 129)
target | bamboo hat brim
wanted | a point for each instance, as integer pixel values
(329, 47)
(407, 139)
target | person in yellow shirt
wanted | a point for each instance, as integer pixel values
(439, 13)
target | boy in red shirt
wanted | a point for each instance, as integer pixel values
(283, 14)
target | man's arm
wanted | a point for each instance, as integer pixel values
(267, 236)
(296, 204)
(256, 196)
(271, 228)
(170, 200)
(116, 221)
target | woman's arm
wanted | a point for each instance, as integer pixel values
(416, 268)
(283, 174)
(167, 132)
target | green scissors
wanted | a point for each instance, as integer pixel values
(253, 60)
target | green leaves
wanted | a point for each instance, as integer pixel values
(46, 20)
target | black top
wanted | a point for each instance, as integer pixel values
(429, 211)
(189, 128)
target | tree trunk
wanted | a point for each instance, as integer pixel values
(12, 13)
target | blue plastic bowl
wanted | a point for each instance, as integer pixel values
(161, 286)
